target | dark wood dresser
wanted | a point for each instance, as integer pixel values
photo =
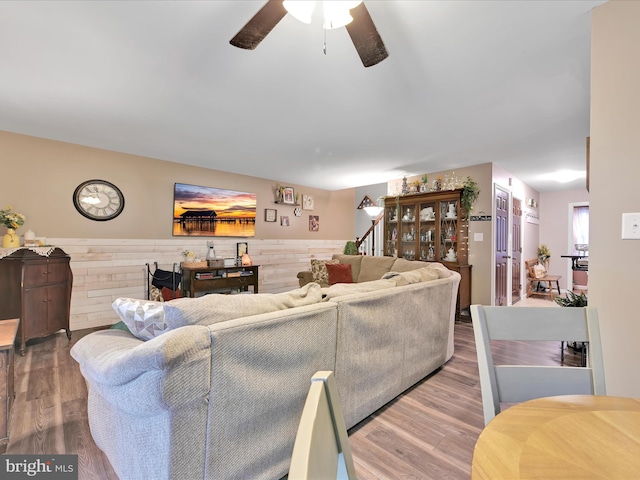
(36, 288)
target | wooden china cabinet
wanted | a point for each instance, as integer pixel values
(37, 290)
(431, 227)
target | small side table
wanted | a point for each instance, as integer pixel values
(8, 329)
(218, 279)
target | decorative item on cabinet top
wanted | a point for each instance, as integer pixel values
(11, 220)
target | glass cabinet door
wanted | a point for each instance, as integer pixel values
(391, 231)
(448, 217)
(427, 228)
(408, 232)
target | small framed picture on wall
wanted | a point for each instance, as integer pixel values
(284, 220)
(314, 223)
(307, 202)
(270, 214)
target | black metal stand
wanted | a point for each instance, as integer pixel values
(162, 275)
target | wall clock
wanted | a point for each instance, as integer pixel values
(98, 200)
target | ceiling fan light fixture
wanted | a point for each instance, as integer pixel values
(336, 12)
(300, 9)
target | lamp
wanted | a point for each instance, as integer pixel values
(373, 210)
(336, 12)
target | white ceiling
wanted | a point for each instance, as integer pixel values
(466, 82)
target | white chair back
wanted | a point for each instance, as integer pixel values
(321, 450)
(518, 383)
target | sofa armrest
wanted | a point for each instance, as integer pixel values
(305, 277)
(139, 377)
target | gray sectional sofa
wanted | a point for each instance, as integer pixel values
(220, 397)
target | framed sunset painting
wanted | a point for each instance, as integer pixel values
(213, 212)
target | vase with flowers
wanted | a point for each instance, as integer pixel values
(11, 220)
(544, 254)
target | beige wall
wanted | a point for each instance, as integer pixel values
(44, 174)
(108, 259)
(614, 264)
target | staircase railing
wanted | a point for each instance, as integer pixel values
(364, 241)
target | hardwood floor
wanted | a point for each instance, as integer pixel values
(426, 433)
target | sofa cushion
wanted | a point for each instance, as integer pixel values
(339, 273)
(372, 268)
(319, 270)
(354, 260)
(341, 289)
(146, 319)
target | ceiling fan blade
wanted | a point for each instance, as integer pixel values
(250, 36)
(365, 37)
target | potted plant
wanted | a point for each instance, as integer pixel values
(350, 248)
(470, 192)
(423, 187)
(572, 300)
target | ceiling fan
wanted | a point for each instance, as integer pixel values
(362, 30)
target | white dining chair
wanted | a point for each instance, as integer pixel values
(518, 383)
(321, 450)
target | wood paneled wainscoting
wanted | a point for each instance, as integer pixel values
(428, 432)
(105, 269)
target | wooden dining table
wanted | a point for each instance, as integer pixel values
(565, 437)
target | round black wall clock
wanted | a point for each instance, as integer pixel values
(98, 200)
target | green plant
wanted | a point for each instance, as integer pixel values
(572, 300)
(425, 179)
(470, 192)
(350, 248)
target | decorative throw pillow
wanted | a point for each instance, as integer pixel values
(155, 294)
(539, 271)
(319, 270)
(339, 273)
(144, 318)
(168, 294)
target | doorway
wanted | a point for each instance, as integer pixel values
(502, 256)
(516, 250)
(507, 255)
(578, 244)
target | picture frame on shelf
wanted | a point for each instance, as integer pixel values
(288, 196)
(307, 202)
(270, 214)
(241, 248)
(314, 223)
